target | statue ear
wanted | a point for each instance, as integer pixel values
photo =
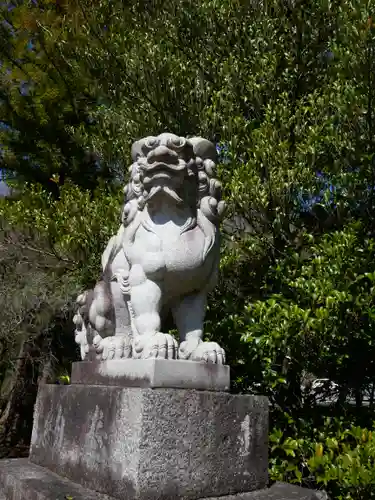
(137, 149)
(203, 148)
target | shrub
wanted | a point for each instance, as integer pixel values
(340, 460)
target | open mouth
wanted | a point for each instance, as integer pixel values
(164, 167)
(162, 171)
(160, 175)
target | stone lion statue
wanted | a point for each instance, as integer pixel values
(163, 259)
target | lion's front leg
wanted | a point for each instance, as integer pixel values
(145, 298)
(189, 317)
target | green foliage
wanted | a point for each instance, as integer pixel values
(74, 228)
(340, 460)
(43, 105)
(321, 318)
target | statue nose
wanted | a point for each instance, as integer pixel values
(162, 154)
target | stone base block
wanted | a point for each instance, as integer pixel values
(22, 480)
(152, 443)
(153, 373)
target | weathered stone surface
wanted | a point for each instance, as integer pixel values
(153, 373)
(22, 480)
(152, 443)
(279, 491)
(291, 492)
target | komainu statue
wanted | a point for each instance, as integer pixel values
(164, 258)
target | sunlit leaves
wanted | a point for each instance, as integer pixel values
(77, 225)
(340, 459)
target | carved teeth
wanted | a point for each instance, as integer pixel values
(159, 175)
(159, 165)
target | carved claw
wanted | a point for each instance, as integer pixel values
(159, 345)
(114, 347)
(187, 347)
(209, 352)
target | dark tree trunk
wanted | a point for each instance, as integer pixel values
(17, 419)
(37, 361)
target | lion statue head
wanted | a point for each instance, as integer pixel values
(181, 169)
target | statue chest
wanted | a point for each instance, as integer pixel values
(166, 250)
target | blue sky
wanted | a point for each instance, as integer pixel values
(4, 190)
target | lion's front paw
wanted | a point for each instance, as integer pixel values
(115, 347)
(159, 345)
(210, 352)
(187, 347)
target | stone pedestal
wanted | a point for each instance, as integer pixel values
(152, 443)
(99, 438)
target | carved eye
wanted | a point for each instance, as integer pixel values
(151, 142)
(176, 143)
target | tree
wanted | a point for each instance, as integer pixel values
(45, 101)
(35, 294)
(45, 263)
